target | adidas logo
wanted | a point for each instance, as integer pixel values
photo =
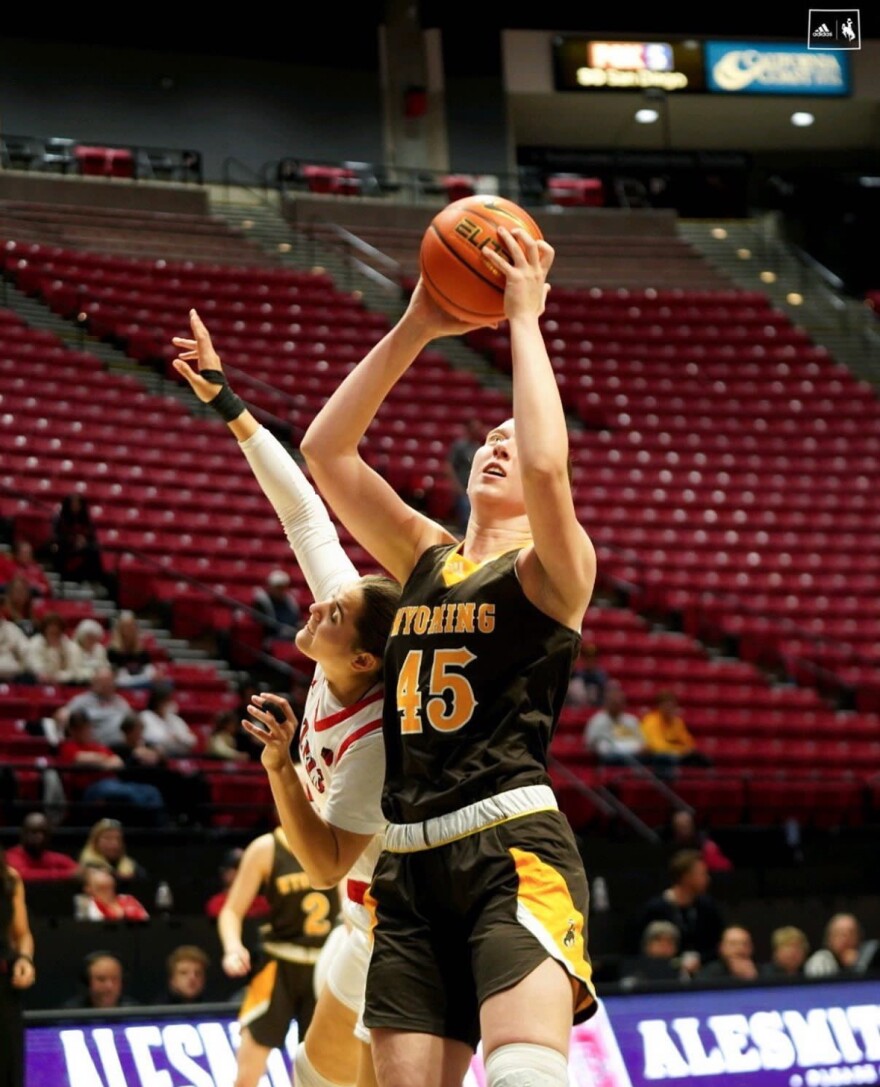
(822, 32)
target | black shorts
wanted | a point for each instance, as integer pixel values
(457, 923)
(278, 993)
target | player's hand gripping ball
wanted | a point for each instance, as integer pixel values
(454, 270)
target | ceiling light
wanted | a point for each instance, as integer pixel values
(802, 119)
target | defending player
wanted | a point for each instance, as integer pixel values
(334, 826)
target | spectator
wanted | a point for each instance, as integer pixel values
(586, 686)
(611, 733)
(106, 846)
(186, 791)
(278, 608)
(129, 656)
(18, 604)
(104, 901)
(74, 545)
(688, 905)
(789, 950)
(668, 741)
(187, 971)
(134, 750)
(658, 957)
(221, 743)
(259, 907)
(104, 785)
(32, 859)
(102, 704)
(89, 639)
(460, 456)
(14, 647)
(52, 655)
(736, 957)
(164, 728)
(684, 834)
(845, 950)
(101, 983)
(25, 564)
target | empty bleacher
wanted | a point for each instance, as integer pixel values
(712, 432)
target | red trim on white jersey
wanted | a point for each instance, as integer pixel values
(353, 737)
(343, 714)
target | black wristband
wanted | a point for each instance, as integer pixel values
(227, 405)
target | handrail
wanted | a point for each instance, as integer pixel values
(347, 241)
(605, 801)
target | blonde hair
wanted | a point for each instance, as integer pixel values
(789, 934)
(124, 867)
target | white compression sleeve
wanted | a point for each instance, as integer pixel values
(524, 1065)
(303, 516)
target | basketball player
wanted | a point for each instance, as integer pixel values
(299, 924)
(333, 825)
(480, 895)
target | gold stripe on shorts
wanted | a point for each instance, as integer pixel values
(259, 994)
(545, 908)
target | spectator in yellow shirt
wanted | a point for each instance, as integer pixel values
(668, 741)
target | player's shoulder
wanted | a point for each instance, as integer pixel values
(260, 848)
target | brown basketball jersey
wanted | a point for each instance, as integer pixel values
(300, 914)
(475, 678)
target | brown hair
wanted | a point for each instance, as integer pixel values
(682, 862)
(187, 953)
(373, 624)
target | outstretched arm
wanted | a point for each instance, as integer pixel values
(310, 532)
(326, 851)
(389, 529)
(559, 572)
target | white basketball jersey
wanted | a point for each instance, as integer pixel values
(342, 751)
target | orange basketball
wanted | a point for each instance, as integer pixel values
(457, 275)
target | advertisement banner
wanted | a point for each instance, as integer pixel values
(760, 68)
(587, 64)
(812, 1035)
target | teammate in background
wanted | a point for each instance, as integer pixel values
(299, 922)
(480, 894)
(332, 824)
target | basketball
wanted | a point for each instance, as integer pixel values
(456, 274)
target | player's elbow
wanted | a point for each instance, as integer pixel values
(323, 877)
(319, 447)
(312, 447)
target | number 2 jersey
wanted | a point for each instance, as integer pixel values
(475, 676)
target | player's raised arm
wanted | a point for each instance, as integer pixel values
(310, 532)
(390, 530)
(562, 549)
